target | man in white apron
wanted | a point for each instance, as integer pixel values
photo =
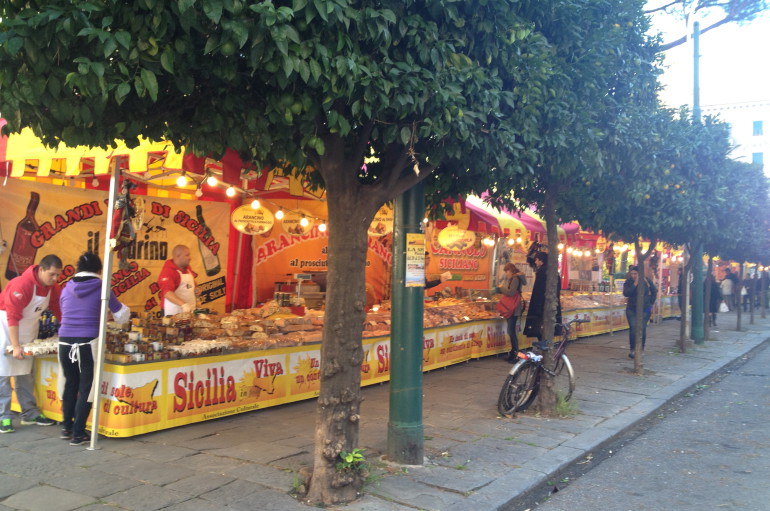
(177, 283)
(22, 302)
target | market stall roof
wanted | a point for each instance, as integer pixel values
(24, 149)
(471, 217)
(528, 219)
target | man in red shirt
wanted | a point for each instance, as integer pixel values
(22, 302)
(177, 283)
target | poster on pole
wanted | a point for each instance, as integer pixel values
(415, 260)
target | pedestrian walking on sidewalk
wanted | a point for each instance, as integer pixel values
(726, 288)
(511, 284)
(714, 300)
(22, 302)
(629, 291)
(81, 315)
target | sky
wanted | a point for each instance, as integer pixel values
(734, 66)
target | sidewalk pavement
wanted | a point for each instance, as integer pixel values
(474, 458)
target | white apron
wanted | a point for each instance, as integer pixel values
(28, 329)
(185, 291)
(75, 358)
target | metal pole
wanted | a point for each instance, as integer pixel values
(105, 303)
(406, 442)
(697, 333)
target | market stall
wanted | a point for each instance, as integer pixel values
(261, 266)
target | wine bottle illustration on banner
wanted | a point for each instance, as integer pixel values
(210, 259)
(22, 254)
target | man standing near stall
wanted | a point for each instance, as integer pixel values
(22, 302)
(177, 283)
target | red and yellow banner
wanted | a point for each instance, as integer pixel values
(38, 219)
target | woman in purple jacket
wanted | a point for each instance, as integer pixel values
(80, 304)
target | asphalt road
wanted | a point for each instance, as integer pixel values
(709, 450)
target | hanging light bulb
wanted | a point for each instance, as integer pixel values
(211, 180)
(322, 227)
(94, 182)
(181, 181)
(230, 192)
(279, 214)
(255, 204)
(518, 239)
(425, 220)
(560, 246)
(569, 250)
(303, 221)
(199, 193)
(587, 253)
(510, 242)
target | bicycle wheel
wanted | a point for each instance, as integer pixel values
(564, 378)
(520, 389)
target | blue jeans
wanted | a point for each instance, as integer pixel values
(631, 317)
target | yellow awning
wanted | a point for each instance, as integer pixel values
(25, 149)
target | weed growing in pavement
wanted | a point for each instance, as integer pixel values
(565, 408)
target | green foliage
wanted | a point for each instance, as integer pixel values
(353, 460)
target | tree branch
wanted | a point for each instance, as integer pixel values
(681, 40)
(663, 7)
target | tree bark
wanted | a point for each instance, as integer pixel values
(738, 304)
(351, 211)
(707, 299)
(546, 399)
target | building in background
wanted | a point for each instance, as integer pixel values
(749, 129)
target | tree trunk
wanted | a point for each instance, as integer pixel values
(641, 289)
(707, 299)
(546, 399)
(337, 417)
(738, 302)
(682, 341)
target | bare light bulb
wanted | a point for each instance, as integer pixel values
(255, 204)
(211, 181)
(510, 242)
(279, 214)
(94, 182)
(230, 192)
(181, 181)
(303, 221)
(425, 220)
(199, 193)
(560, 246)
(322, 227)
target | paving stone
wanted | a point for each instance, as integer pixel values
(208, 463)
(146, 471)
(146, 497)
(198, 505)
(460, 481)
(265, 475)
(46, 498)
(157, 451)
(199, 484)
(95, 483)
(405, 491)
(10, 484)
(257, 451)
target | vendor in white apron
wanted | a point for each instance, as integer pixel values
(177, 283)
(22, 302)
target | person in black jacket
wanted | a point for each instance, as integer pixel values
(535, 310)
(714, 300)
(629, 291)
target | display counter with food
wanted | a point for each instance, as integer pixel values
(194, 367)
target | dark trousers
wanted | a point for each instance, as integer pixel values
(77, 385)
(512, 334)
(631, 317)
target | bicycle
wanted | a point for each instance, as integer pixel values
(523, 382)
